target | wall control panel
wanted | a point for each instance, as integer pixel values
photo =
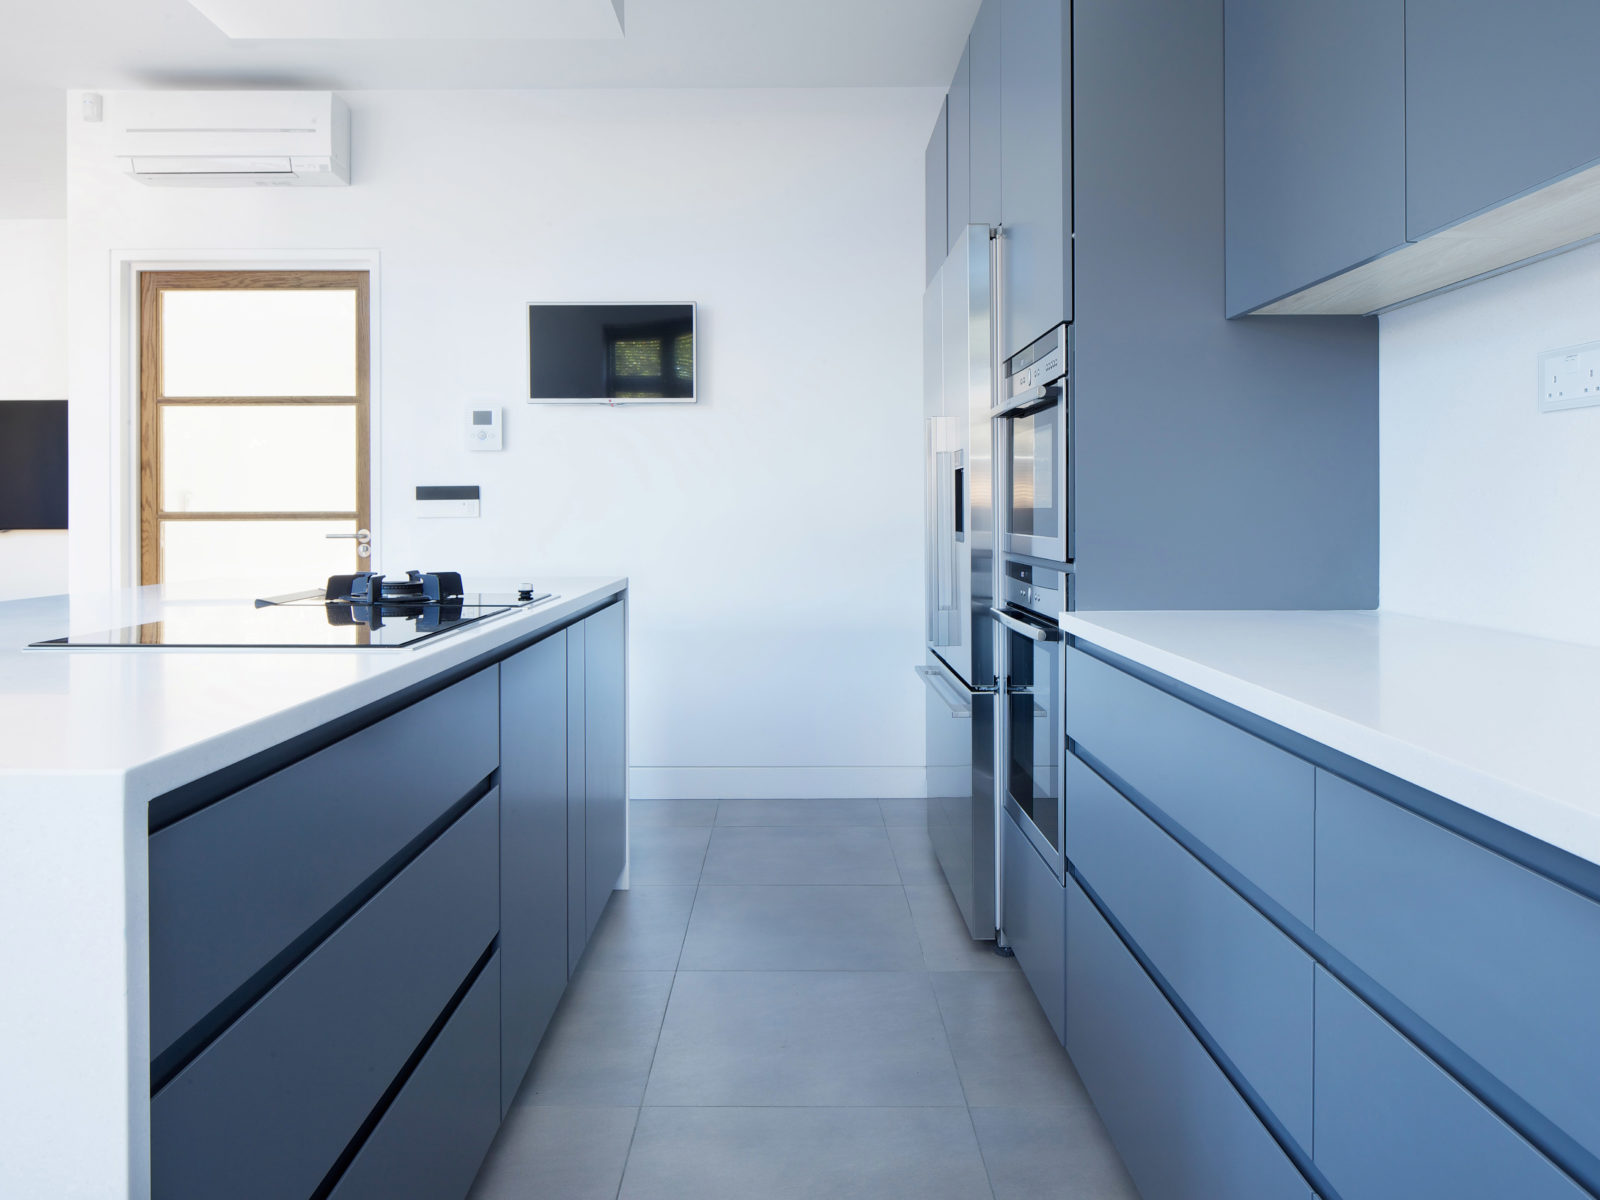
(454, 500)
(483, 427)
(1569, 377)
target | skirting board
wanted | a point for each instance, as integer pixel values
(774, 783)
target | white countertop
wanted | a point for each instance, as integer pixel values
(156, 719)
(1501, 723)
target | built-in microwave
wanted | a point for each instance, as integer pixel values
(1036, 444)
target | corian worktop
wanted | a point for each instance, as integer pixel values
(160, 718)
(87, 739)
(1501, 723)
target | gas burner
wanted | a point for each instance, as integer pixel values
(369, 587)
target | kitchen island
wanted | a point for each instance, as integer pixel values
(1332, 913)
(268, 918)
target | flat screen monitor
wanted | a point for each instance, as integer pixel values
(611, 353)
(33, 464)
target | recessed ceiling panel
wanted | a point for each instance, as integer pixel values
(381, 20)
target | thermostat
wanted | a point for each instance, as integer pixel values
(483, 427)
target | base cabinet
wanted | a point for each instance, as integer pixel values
(1034, 920)
(1182, 1129)
(605, 782)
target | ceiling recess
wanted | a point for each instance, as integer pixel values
(404, 20)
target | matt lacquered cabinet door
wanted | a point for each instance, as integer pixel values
(577, 765)
(983, 70)
(1316, 142)
(533, 850)
(605, 807)
(936, 167)
(958, 107)
(1500, 98)
(1035, 168)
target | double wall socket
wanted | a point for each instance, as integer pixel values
(1569, 377)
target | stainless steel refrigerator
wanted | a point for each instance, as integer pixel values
(959, 663)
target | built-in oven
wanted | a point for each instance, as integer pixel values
(1035, 414)
(1032, 703)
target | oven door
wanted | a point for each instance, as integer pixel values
(1035, 729)
(1038, 522)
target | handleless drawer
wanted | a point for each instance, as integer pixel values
(1202, 937)
(1502, 961)
(233, 886)
(1179, 1124)
(267, 1108)
(432, 1139)
(1248, 802)
(1392, 1126)
(1035, 917)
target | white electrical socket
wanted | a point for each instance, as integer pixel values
(1569, 377)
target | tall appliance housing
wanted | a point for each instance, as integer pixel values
(959, 662)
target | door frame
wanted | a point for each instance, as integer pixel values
(127, 269)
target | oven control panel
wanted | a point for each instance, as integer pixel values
(1040, 364)
(1040, 590)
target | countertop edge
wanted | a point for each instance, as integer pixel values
(1528, 811)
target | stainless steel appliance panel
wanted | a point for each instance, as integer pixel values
(1033, 704)
(1036, 432)
(960, 731)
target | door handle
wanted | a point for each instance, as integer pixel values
(941, 688)
(1034, 633)
(363, 538)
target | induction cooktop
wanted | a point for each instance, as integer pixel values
(352, 612)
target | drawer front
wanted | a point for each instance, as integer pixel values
(1035, 919)
(234, 885)
(1249, 802)
(1204, 939)
(1182, 1129)
(434, 1136)
(1502, 961)
(1392, 1126)
(266, 1109)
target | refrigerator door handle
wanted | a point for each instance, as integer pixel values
(940, 686)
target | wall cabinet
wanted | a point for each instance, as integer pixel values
(1035, 169)
(533, 850)
(958, 163)
(1316, 142)
(984, 58)
(936, 213)
(1379, 150)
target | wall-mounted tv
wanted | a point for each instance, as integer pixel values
(33, 464)
(611, 353)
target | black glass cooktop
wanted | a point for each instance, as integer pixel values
(301, 622)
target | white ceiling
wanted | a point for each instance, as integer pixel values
(369, 19)
(667, 43)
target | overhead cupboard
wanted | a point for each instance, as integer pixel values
(1289, 974)
(1378, 150)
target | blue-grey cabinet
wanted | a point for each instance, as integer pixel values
(1036, 169)
(1245, 982)
(1500, 98)
(533, 850)
(1035, 922)
(1391, 1125)
(1181, 1127)
(936, 211)
(1316, 141)
(984, 59)
(1502, 961)
(958, 134)
(605, 794)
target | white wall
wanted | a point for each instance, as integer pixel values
(772, 532)
(1490, 508)
(33, 366)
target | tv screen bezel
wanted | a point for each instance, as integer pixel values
(694, 326)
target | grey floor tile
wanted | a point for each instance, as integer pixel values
(804, 1154)
(1004, 1047)
(642, 929)
(908, 811)
(649, 814)
(823, 854)
(947, 945)
(803, 1038)
(544, 1152)
(801, 928)
(1051, 1154)
(799, 812)
(667, 853)
(598, 1048)
(914, 856)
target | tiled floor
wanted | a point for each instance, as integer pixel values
(787, 1007)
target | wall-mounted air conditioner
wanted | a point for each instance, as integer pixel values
(232, 139)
